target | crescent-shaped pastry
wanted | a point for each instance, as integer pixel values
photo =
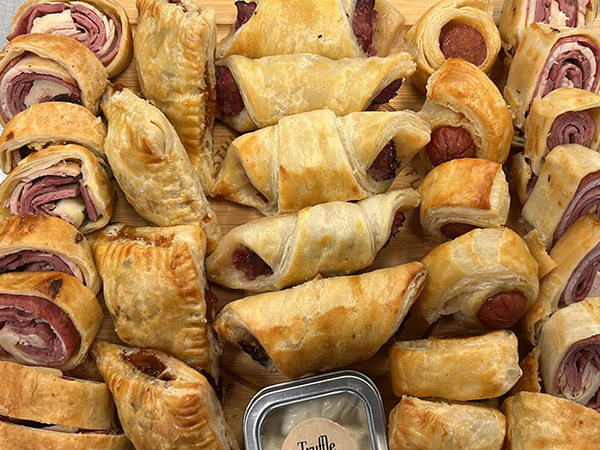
(175, 62)
(50, 123)
(541, 421)
(334, 238)
(37, 68)
(156, 292)
(417, 424)
(162, 402)
(487, 278)
(333, 29)
(462, 29)
(44, 243)
(256, 93)
(463, 194)
(324, 323)
(461, 368)
(530, 381)
(101, 25)
(152, 167)
(64, 181)
(317, 157)
(48, 319)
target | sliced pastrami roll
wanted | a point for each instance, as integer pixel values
(586, 200)
(448, 143)
(574, 127)
(580, 367)
(572, 12)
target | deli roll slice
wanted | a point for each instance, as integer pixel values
(317, 157)
(101, 25)
(63, 181)
(257, 93)
(334, 238)
(324, 323)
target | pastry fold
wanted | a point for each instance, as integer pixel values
(37, 68)
(64, 181)
(152, 167)
(324, 323)
(462, 368)
(329, 28)
(463, 194)
(49, 319)
(485, 278)
(162, 402)
(272, 87)
(317, 157)
(156, 292)
(174, 56)
(101, 25)
(424, 41)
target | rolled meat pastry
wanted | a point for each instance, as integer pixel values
(417, 424)
(317, 157)
(51, 123)
(257, 93)
(334, 238)
(324, 323)
(462, 29)
(332, 29)
(468, 116)
(461, 368)
(64, 181)
(541, 421)
(567, 189)
(176, 71)
(37, 68)
(101, 25)
(463, 194)
(156, 291)
(48, 319)
(44, 243)
(152, 167)
(162, 402)
(486, 278)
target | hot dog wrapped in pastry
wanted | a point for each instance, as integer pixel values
(324, 323)
(468, 116)
(101, 25)
(486, 278)
(64, 181)
(461, 368)
(334, 238)
(37, 68)
(257, 93)
(317, 157)
(463, 194)
(462, 29)
(333, 29)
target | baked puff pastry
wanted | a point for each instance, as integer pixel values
(417, 424)
(540, 421)
(37, 68)
(468, 116)
(463, 194)
(324, 323)
(162, 402)
(156, 292)
(101, 25)
(174, 57)
(64, 181)
(257, 93)
(332, 29)
(317, 157)
(152, 167)
(50, 123)
(462, 368)
(486, 278)
(462, 29)
(334, 238)
(48, 319)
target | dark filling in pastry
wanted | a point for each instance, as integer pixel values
(244, 12)
(454, 230)
(464, 42)
(448, 143)
(575, 363)
(388, 93)
(255, 350)
(229, 99)
(385, 166)
(148, 362)
(69, 98)
(33, 260)
(397, 223)
(249, 263)
(573, 127)
(39, 425)
(502, 310)
(363, 25)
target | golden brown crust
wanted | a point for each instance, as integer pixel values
(530, 381)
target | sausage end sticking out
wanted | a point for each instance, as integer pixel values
(502, 310)
(464, 42)
(449, 143)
